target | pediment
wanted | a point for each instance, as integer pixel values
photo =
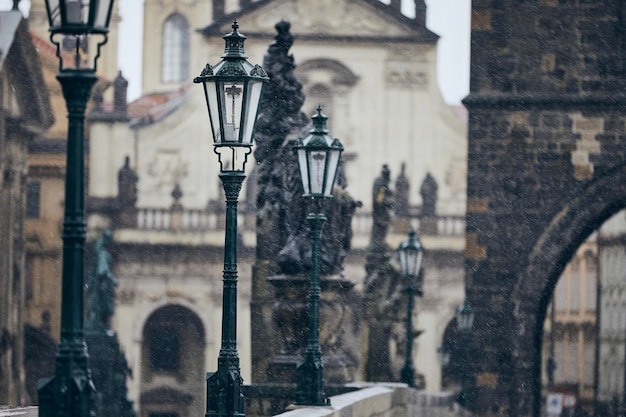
(353, 19)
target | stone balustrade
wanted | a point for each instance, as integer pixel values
(196, 220)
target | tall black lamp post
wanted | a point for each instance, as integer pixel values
(69, 393)
(465, 321)
(232, 90)
(318, 158)
(411, 254)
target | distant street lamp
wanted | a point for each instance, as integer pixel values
(70, 391)
(411, 254)
(465, 321)
(232, 90)
(444, 356)
(318, 158)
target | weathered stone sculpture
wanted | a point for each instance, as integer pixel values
(281, 271)
(108, 364)
(383, 286)
(127, 195)
(428, 216)
(279, 117)
(101, 287)
(382, 211)
(428, 191)
(402, 193)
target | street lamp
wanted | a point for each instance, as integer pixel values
(232, 89)
(444, 356)
(70, 391)
(411, 254)
(318, 157)
(464, 321)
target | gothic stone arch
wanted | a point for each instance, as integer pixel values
(533, 291)
(531, 203)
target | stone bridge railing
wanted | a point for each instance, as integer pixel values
(373, 400)
(393, 400)
(19, 412)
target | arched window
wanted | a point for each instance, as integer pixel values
(175, 64)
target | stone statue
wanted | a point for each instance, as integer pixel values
(279, 117)
(382, 205)
(101, 285)
(383, 286)
(108, 364)
(402, 193)
(127, 185)
(428, 191)
(283, 250)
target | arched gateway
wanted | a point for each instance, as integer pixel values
(546, 167)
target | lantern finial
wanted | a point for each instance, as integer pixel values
(319, 121)
(234, 43)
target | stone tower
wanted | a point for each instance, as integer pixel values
(545, 169)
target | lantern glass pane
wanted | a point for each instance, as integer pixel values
(411, 262)
(210, 94)
(102, 13)
(304, 170)
(54, 13)
(252, 106)
(232, 94)
(465, 317)
(418, 263)
(317, 165)
(333, 164)
(403, 262)
(75, 12)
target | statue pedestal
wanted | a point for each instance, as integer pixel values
(339, 328)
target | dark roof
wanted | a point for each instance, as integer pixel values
(422, 33)
(23, 68)
(151, 108)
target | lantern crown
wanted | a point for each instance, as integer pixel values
(232, 89)
(319, 121)
(318, 158)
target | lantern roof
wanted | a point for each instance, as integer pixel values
(318, 136)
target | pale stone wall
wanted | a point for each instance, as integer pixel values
(197, 13)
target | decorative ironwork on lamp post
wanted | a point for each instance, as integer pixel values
(465, 322)
(232, 90)
(411, 254)
(69, 393)
(318, 157)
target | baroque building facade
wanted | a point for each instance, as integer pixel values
(612, 308)
(153, 178)
(24, 115)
